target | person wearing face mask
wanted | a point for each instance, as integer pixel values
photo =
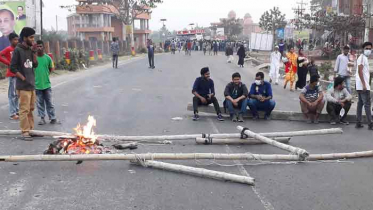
(204, 94)
(338, 98)
(312, 101)
(342, 65)
(261, 97)
(363, 87)
(236, 94)
(274, 72)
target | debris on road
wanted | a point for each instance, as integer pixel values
(130, 146)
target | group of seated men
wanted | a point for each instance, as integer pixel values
(237, 96)
(260, 98)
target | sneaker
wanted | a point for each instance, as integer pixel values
(309, 121)
(359, 125)
(255, 117)
(240, 118)
(42, 122)
(195, 117)
(370, 127)
(267, 117)
(344, 122)
(220, 118)
(26, 136)
(233, 118)
(55, 121)
(333, 123)
(316, 121)
(14, 117)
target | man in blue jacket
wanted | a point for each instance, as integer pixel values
(204, 94)
(261, 98)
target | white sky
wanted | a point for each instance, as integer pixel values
(180, 13)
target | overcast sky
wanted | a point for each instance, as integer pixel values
(180, 13)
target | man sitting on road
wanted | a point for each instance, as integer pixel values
(204, 93)
(236, 94)
(338, 98)
(261, 97)
(312, 100)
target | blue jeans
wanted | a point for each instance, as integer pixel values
(12, 96)
(348, 83)
(242, 105)
(266, 106)
(44, 100)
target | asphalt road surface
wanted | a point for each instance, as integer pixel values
(135, 100)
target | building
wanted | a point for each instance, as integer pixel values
(98, 22)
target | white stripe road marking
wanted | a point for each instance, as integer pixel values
(266, 204)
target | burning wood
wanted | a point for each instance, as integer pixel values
(83, 142)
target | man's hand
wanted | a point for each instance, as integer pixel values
(364, 87)
(203, 100)
(342, 104)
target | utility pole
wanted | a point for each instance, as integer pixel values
(299, 11)
(56, 23)
(41, 19)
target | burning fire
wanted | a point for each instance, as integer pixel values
(84, 142)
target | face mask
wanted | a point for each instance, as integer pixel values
(367, 52)
(258, 82)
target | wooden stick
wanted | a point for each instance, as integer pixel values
(180, 137)
(197, 172)
(299, 151)
(182, 156)
(249, 141)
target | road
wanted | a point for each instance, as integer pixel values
(135, 100)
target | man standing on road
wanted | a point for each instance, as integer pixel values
(204, 94)
(229, 54)
(261, 97)
(363, 87)
(5, 58)
(151, 54)
(114, 47)
(43, 85)
(236, 94)
(22, 65)
(341, 68)
(338, 99)
(275, 66)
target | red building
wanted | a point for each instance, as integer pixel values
(98, 22)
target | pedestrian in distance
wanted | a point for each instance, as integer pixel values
(204, 94)
(363, 87)
(216, 47)
(241, 56)
(114, 47)
(43, 85)
(338, 102)
(236, 95)
(151, 51)
(22, 65)
(275, 61)
(342, 67)
(261, 97)
(291, 68)
(302, 71)
(229, 54)
(312, 101)
(5, 58)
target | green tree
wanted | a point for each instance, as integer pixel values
(272, 20)
(232, 27)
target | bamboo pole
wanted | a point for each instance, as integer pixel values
(183, 156)
(180, 137)
(197, 172)
(249, 141)
(299, 151)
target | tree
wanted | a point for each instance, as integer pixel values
(127, 10)
(232, 27)
(272, 20)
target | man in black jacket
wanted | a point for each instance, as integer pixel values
(23, 63)
(236, 94)
(204, 93)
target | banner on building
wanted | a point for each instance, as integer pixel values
(220, 32)
(304, 34)
(13, 19)
(261, 41)
(280, 33)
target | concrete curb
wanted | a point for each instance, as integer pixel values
(276, 114)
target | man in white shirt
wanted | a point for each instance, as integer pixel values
(274, 72)
(363, 87)
(342, 65)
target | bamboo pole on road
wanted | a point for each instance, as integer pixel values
(197, 171)
(249, 141)
(296, 150)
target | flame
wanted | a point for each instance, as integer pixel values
(86, 133)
